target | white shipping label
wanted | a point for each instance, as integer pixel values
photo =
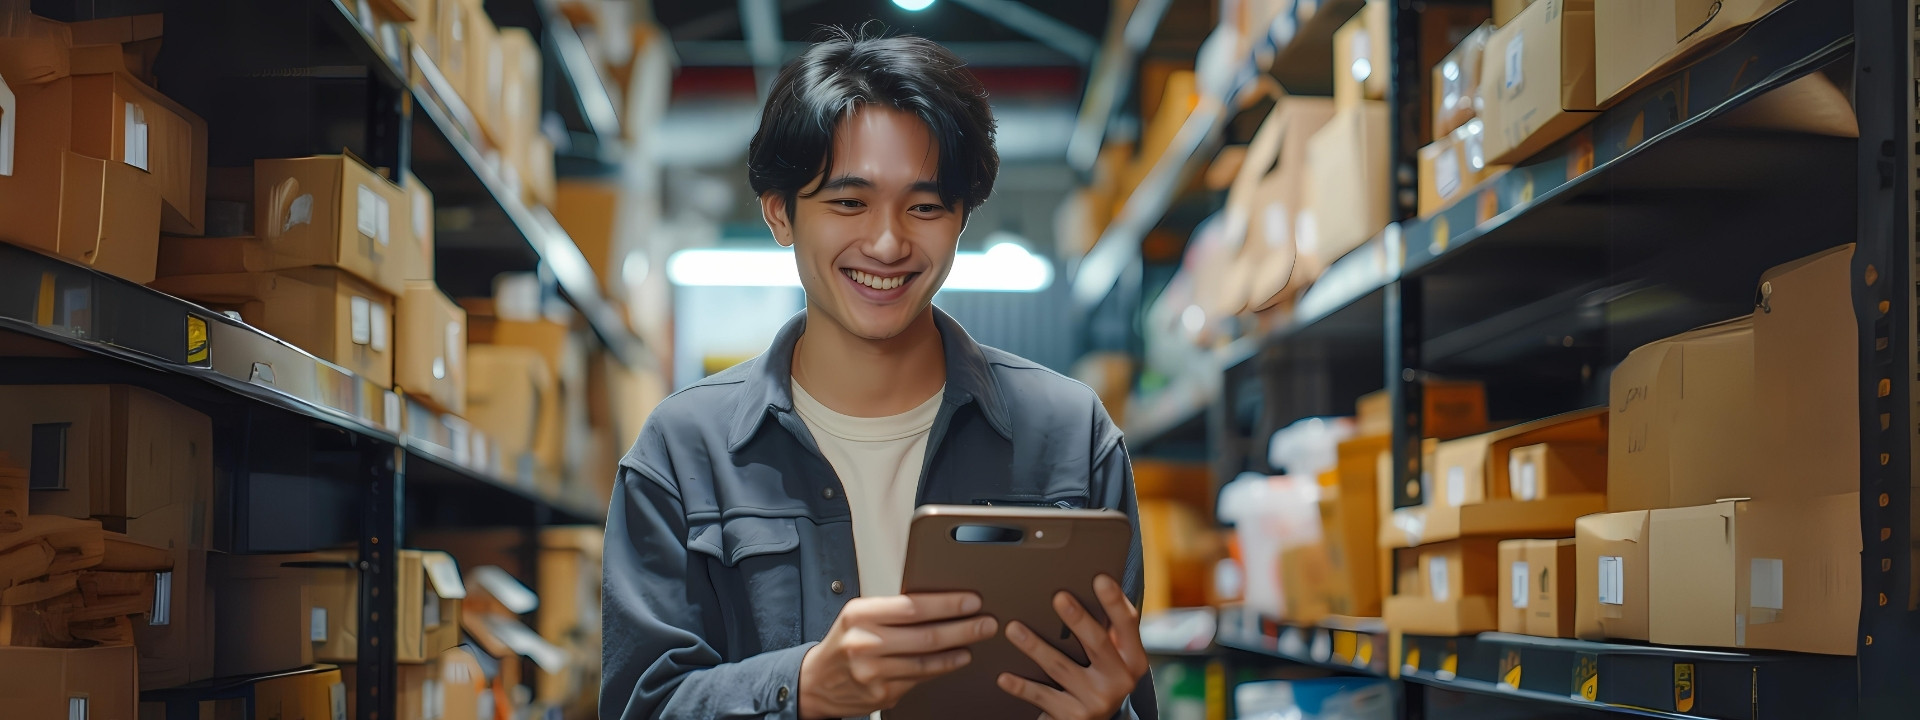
(1523, 477)
(1438, 589)
(373, 215)
(422, 215)
(360, 317)
(430, 609)
(392, 406)
(162, 611)
(1767, 584)
(1446, 174)
(1516, 64)
(318, 633)
(1456, 485)
(337, 699)
(1362, 53)
(9, 127)
(1613, 580)
(381, 331)
(1520, 591)
(1453, 85)
(76, 708)
(136, 153)
(432, 699)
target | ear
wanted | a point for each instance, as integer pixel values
(773, 209)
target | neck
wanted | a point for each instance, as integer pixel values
(870, 378)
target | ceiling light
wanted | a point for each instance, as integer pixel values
(913, 5)
(1004, 267)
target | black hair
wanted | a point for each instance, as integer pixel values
(845, 69)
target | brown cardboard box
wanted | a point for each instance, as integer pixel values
(332, 211)
(116, 117)
(1504, 11)
(507, 389)
(484, 71)
(1350, 188)
(570, 559)
(1611, 579)
(538, 175)
(1537, 587)
(442, 593)
(417, 264)
(1451, 591)
(460, 58)
(1361, 56)
(82, 684)
(1269, 194)
(588, 211)
(267, 619)
(314, 694)
(1178, 558)
(1472, 469)
(1761, 574)
(514, 68)
(1684, 419)
(430, 348)
(1350, 522)
(461, 682)
(36, 48)
(429, 610)
(1536, 80)
(324, 311)
(1453, 165)
(127, 451)
(1411, 526)
(417, 697)
(1456, 83)
(1453, 409)
(1639, 40)
(406, 10)
(1555, 468)
(1806, 370)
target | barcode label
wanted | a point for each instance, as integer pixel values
(1516, 63)
(162, 612)
(136, 153)
(1456, 485)
(1520, 590)
(373, 215)
(1613, 580)
(1526, 478)
(318, 633)
(1438, 589)
(360, 312)
(76, 708)
(1768, 584)
(381, 332)
(1446, 174)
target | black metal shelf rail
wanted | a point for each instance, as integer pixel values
(1574, 204)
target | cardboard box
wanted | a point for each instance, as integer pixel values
(1806, 374)
(1761, 574)
(430, 348)
(538, 175)
(460, 57)
(80, 684)
(1504, 11)
(484, 71)
(1453, 409)
(1362, 57)
(112, 451)
(442, 593)
(1456, 83)
(1502, 519)
(1640, 40)
(515, 65)
(1453, 165)
(324, 311)
(332, 211)
(117, 117)
(1350, 523)
(570, 574)
(36, 49)
(308, 694)
(507, 389)
(462, 681)
(417, 263)
(1350, 185)
(1269, 194)
(1445, 589)
(1611, 580)
(429, 610)
(1683, 419)
(1470, 469)
(405, 10)
(588, 211)
(1536, 79)
(1551, 469)
(268, 621)
(1537, 588)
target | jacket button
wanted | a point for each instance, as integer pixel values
(837, 587)
(827, 493)
(784, 694)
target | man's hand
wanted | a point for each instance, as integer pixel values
(879, 648)
(1116, 659)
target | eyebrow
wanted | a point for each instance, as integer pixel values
(844, 182)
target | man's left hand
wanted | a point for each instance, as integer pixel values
(1116, 659)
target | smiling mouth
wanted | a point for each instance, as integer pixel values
(877, 282)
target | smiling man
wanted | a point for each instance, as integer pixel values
(758, 527)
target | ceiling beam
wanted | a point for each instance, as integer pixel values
(1040, 26)
(760, 20)
(729, 53)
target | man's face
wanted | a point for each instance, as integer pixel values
(874, 241)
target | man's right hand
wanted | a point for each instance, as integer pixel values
(879, 648)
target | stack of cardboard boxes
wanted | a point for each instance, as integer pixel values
(496, 75)
(570, 617)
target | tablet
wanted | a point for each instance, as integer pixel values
(1016, 558)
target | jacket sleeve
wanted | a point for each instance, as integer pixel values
(1112, 485)
(661, 620)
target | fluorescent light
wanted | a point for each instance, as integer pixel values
(913, 5)
(1004, 267)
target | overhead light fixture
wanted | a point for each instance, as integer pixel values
(913, 5)
(1004, 267)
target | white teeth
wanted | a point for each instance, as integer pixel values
(876, 282)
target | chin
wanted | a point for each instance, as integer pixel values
(882, 325)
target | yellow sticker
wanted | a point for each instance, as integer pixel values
(1683, 687)
(1510, 669)
(1449, 665)
(1413, 659)
(197, 350)
(43, 308)
(1526, 191)
(1363, 657)
(1590, 689)
(1440, 237)
(1344, 644)
(1586, 677)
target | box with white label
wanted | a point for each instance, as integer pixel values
(1537, 587)
(336, 316)
(1758, 574)
(431, 362)
(1536, 79)
(1446, 588)
(1473, 469)
(333, 211)
(1610, 579)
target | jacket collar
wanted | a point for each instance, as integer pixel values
(767, 389)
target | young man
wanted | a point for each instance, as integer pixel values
(758, 528)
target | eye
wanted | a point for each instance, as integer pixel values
(849, 203)
(927, 208)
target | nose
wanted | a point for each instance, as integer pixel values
(888, 246)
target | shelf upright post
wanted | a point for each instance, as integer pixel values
(1404, 105)
(389, 124)
(381, 535)
(1403, 298)
(1884, 306)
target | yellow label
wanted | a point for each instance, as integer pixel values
(1526, 191)
(1586, 677)
(1682, 687)
(1344, 645)
(1510, 669)
(1440, 236)
(43, 310)
(1363, 656)
(1449, 664)
(1413, 658)
(197, 350)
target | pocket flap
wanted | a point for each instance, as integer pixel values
(734, 539)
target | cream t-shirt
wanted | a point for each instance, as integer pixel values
(878, 461)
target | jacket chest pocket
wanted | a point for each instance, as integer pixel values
(754, 565)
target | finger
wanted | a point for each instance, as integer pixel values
(1093, 638)
(915, 668)
(922, 607)
(935, 636)
(1054, 703)
(1069, 674)
(1123, 623)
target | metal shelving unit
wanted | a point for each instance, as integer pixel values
(1657, 217)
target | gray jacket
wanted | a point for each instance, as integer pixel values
(729, 547)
